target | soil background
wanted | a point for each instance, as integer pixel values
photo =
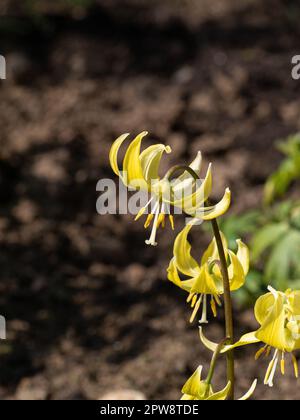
(89, 309)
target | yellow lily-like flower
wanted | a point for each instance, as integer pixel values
(278, 314)
(197, 389)
(140, 171)
(205, 279)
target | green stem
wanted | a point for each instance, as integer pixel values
(228, 307)
(226, 284)
(214, 361)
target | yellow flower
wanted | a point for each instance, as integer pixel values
(205, 278)
(140, 171)
(197, 389)
(278, 314)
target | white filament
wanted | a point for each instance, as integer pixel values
(151, 241)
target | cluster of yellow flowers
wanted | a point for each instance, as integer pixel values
(278, 313)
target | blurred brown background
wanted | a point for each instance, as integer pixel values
(88, 306)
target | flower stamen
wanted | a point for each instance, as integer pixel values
(217, 299)
(203, 319)
(189, 298)
(282, 364)
(295, 364)
(213, 306)
(269, 348)
(260, 352)
(271, 370)
(196, 308)
(143, 209)
(194, 300)
(161, 220)
(151, 240)
(171, 219)
(148, 220)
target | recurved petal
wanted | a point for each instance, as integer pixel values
(173, 276)
(250, 392)
(193, 384)
(246, 339)
(263, 306)
(195, 166)
(236, 272)
(243, 255)
(272, 331)
(219, 209)
(113, 154)
(150, 159)
(221, 395)
(294, 301)
(189, 201)
(212, 251)
(132, 164)
(182, 253)
(207, 343)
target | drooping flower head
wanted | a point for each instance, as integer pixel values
(140, 171)
(278, 314)
(197, 389)
(204, 278)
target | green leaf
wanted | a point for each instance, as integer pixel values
(267, 236)
(237, 226)
(279, 182)
(289, 170)
(283, 260)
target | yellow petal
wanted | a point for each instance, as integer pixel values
(206, 283)
(182, 252)
(195, 166)
(212, 252)
(132, 164)
(150, 159)
(294, 305)
(113, 154)
(207, 343)
(193, 384)
(219, 209)
(186, 397)
(272, 330)
(221, 395)
(195, 388)
(185, 182)
(243, 255)
(294, 301)
(250, 392)
(263, 307)
(174, 277)
(246, 339)
(189, 202)
(236, 272)
(198, 198)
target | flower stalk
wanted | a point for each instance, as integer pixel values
(227, 307)
(214, 361)
(226, 283)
